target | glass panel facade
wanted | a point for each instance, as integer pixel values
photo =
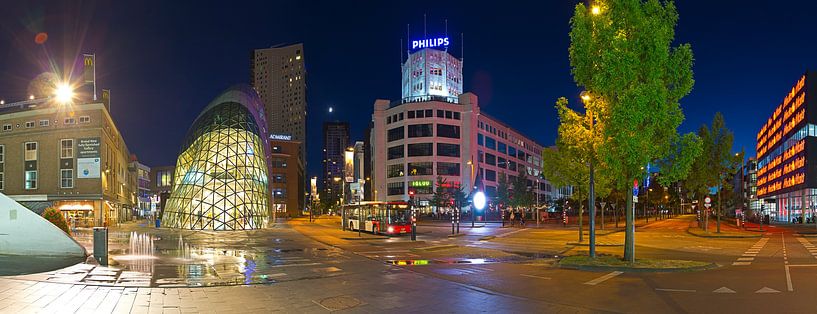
(421, 168)
(420, 149)
(448, 169)
(220, 181)
(396, 134)
(448, 150)
(449, 131)
(396, 152)
(420, 130)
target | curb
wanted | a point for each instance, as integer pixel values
(364, 239)
(486, 238)
(597, 244)
(724, 236)
(638, 270)
(456, 235)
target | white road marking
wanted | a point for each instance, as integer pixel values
(723, 290)
(745, 259)
(750, 254)
(767, 290)
(741, 263)
(534, 276)
(675, 290)
(603, 278)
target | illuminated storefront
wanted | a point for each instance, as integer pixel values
(786, 145)
(220, 180)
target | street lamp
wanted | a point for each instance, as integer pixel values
(595, 10)
(64, 94)
(591, 200)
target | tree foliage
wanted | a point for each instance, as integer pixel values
(55, 217)
(622, 54)
(716, 163)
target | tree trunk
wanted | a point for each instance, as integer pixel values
(629, 228)
(581, 233)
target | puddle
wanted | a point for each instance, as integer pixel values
(416, 262)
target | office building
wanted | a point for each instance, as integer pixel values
(335, 143)
(437, 131)
(285, 177)
(786, 146)
(161, 182)
(144, 195)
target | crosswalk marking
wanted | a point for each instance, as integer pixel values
(741, 263)
(750, 253)
(743, 259)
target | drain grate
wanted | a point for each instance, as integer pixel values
(339, 303)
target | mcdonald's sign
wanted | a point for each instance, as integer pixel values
(88, 74)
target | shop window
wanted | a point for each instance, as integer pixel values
(394, 171)
(421, 168)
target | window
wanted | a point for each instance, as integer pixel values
(490, 159)
(421, 168)
(277, 149)
(29, 124)
(396, 134)
(420, 130)
(2, 180)
(6, 127)
(456, 115)
(163, 178)
(490, 142)
(512, 165)
(44, 122)
(448, 150)
(394, 171)
(490, 175)
(420, 149)
(421, 187)
(31, 151)
(279, 178)
(2, 153)
(480, 140)
(278, 163)
(396, 152)
(70, 121)
(279, 193)
(449, 131)
(66, 178)
(429, 113)
(67, 148)
(395, 188)
(31, 180)
(500, 147)
(85, 119)
(388, 120)
(448, 169)
(511, 151)
(490, 191)
(440, 113)
(411, 114)
(421, 114)
(520, 154)
(500, 162)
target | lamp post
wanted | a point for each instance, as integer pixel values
(591, 199)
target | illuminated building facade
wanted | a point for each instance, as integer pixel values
(786, 146)
(221, 180)
(433, 132)
(335, 142)
(285, 177)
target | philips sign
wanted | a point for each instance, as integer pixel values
(429, 43)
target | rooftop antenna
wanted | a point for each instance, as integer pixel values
(462, 48)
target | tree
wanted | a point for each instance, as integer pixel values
(716, 162)
(503, 194)
(519, 187)
(441, 197)
(620, 51)
(568, 164)
(55, 217)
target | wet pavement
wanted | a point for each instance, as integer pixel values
(140, 256)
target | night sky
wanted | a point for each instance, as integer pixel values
(165, 60)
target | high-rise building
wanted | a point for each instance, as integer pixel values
(279, 77)
(335, 143)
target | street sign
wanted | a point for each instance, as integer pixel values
(707, 202)
(602, 204)
(635, 199)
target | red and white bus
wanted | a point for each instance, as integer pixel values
(379, 217)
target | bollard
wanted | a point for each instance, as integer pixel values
(101, 245)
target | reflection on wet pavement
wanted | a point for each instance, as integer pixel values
(170, 258)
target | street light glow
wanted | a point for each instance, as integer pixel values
(585, 96)
(64, 93)
(595, 10)
(479, 200)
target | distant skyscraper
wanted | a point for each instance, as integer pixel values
(279, 77)
(335, 142)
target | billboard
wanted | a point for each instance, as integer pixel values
(88, 72)
(349, 166)
(88, 158)
(313, 183)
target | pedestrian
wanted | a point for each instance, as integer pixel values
(512, 217)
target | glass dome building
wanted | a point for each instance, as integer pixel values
(220, 180)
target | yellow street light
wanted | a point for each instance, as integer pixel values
(585, 96)
(595, 10)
